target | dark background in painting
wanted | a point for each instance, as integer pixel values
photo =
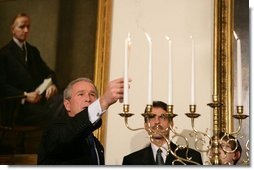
(64, 31)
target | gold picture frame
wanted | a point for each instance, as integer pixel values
(223, 62)
(101, 71)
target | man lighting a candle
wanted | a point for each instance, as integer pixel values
(157, 126)
(69, 139)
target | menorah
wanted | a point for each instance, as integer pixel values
(214, 145)
(212, 148)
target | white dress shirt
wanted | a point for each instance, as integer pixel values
(95, 112)
(163, 148)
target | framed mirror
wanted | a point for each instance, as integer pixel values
(158, 19)
(221, 75)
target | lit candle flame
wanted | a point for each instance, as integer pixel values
(148, 37)
(235, 35)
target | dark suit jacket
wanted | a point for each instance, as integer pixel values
(18, 76)
(64, 142)
(145, 157)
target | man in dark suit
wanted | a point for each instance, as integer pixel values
(69, 140)
(157, 125)
(22, 70)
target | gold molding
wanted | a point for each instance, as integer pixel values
(102, 54)
(223, 62)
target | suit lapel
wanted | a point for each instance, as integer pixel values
(170, 158)
(148, 158)
(17, 53)
(181, 153)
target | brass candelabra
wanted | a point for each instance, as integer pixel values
(212, 148)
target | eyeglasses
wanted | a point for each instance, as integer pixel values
(162, 117)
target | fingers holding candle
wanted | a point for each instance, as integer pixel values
(113, 92)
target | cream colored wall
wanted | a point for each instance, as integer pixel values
(177, 19)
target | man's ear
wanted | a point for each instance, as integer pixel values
(237, 155)
(67, 105)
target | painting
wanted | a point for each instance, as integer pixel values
(71, 36)
(64, 32)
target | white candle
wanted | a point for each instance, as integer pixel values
(170, 79)
(126, 57)
(149, 98)
(192, 71)
(239, 71)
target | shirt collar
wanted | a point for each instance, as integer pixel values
(18, 42)
(163, 148)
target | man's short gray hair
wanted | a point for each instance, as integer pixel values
(67, 90)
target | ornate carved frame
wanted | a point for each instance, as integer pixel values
(223, 62)
(102, 57)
